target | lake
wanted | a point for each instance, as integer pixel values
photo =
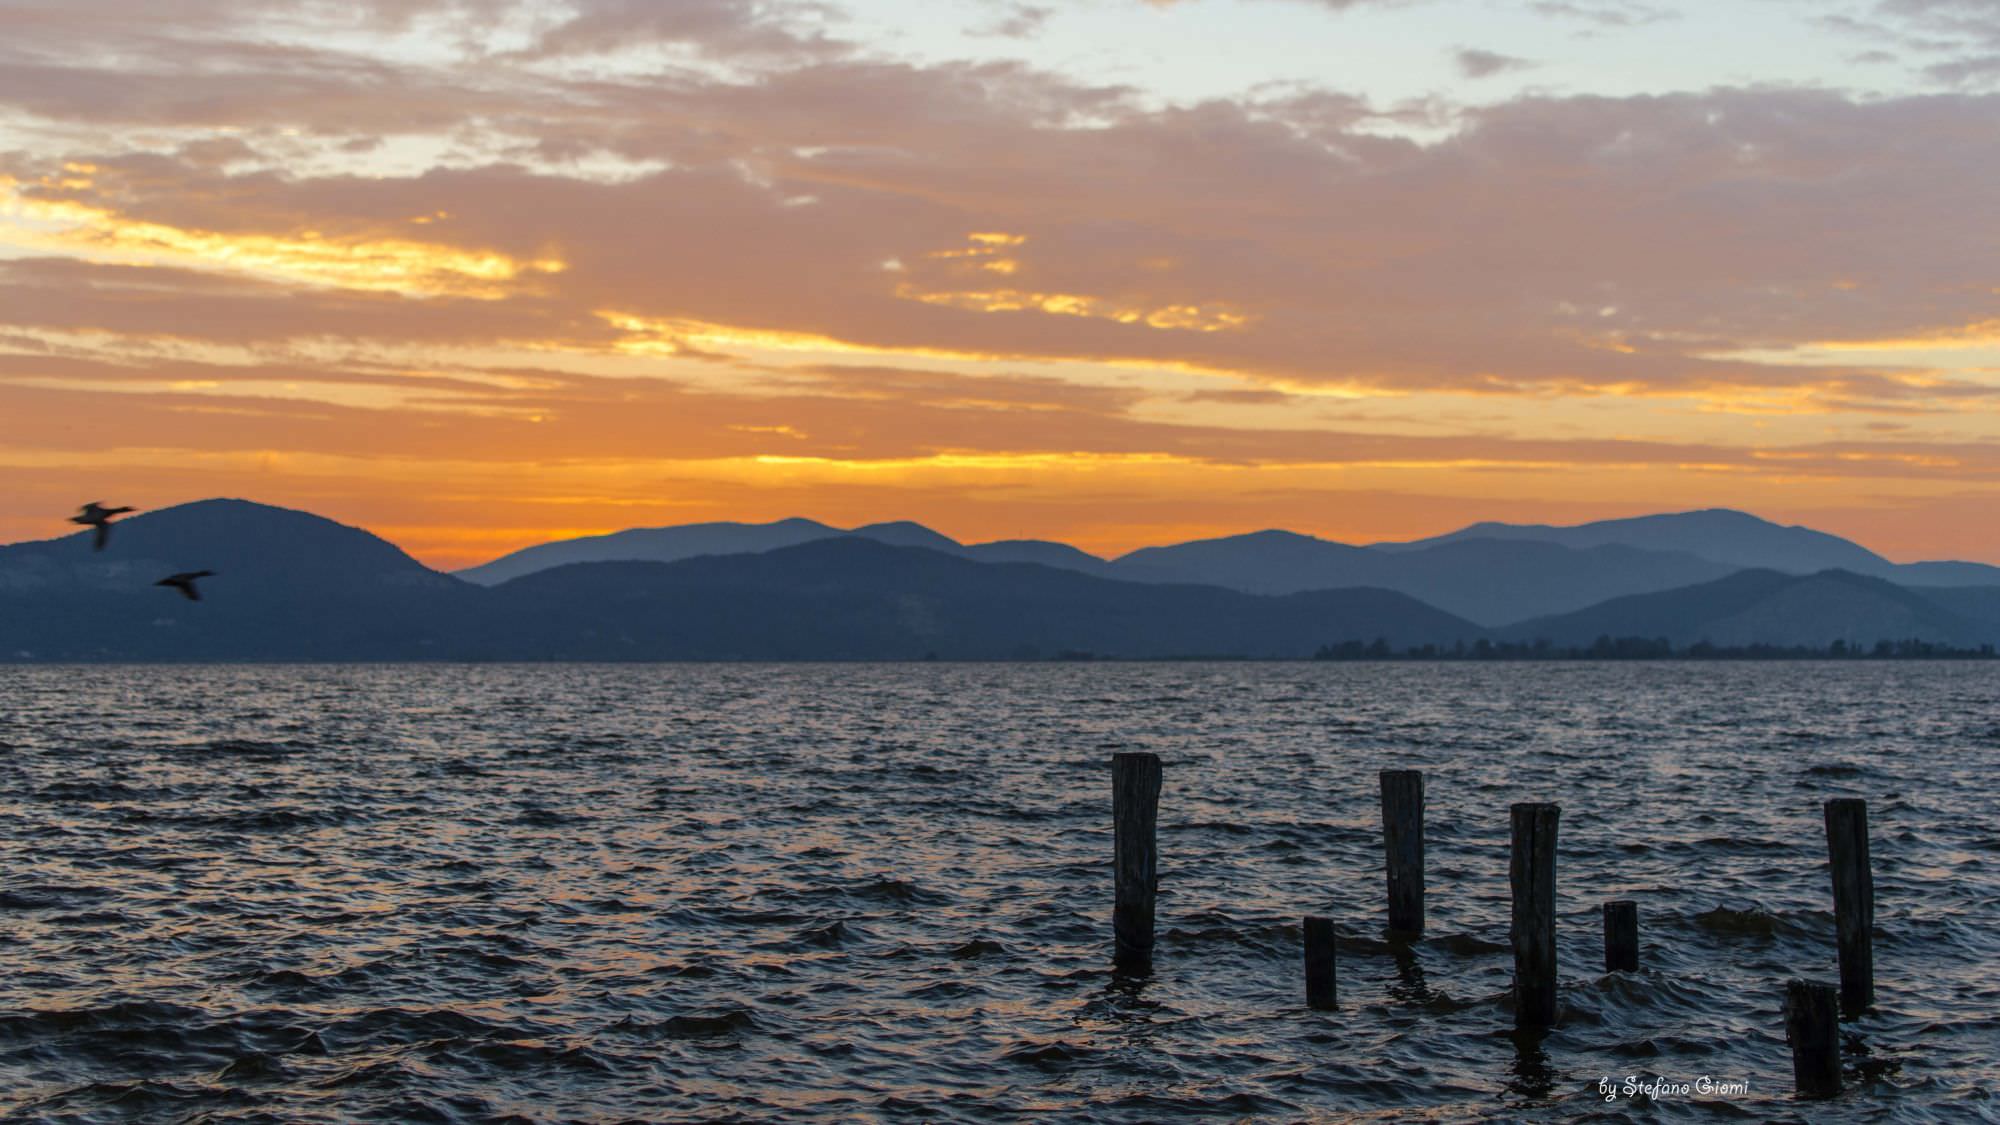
(827, 892)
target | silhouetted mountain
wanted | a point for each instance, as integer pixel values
(658, 544)
(293, 586)
(1979, 604)
(1489, 573)
(1943, 574)
(906, 533)
(850, 598)
(671, 544)
(1766, 607)
(1735, 539)
(1487, 581)
(1258, 562)
(1041, 552)
(289, 586)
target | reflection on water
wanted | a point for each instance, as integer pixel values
(781, 893)
(1532, 1077)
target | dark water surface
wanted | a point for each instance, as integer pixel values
(847, 892)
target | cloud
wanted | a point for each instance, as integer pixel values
(776, 29)
(1973, 70)
(1961, 36)
(1576, 242)
(1475, 63)
(1975, 21)
(722, 230)
(1641, 206)
(1603, 13)
(1022, 21)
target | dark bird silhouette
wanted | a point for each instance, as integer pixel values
(95, 514)
(184, 582)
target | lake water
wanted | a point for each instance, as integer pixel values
(748, 892)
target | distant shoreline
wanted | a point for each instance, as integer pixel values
(1397, 658)
(1650, 648)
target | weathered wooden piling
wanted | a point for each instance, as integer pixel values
(1853, 901)
(1135, 809)
(1812, 1027)
(1321, 992)
(1621, 936)
(1403, 844)
(1532, 872)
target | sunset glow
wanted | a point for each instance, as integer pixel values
(484, 273)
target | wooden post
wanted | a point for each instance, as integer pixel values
(1135, 810)
(1403, 842)
(1320, 990)
(1812, 1027)
(1853, 901)
(1533, 875)
(1621, 936)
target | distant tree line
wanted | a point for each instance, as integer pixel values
(1607, 647)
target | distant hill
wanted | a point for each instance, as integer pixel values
(1258, 562)
(295, 586)
(658, 544)
(1735, 539)
(671, 544)
(1489, 581)
(1490, 573)
(1944, 574)
(851, 598)
(907, 533)
(289, 586)
(1979, 604)
(1038, 551)
(1767, 607)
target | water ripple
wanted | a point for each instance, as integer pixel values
(742, 892)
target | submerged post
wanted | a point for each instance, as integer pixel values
(1621, 936)
(1532, 872)
(1853, 900)
(1320, 989)
(1403, 843)
(1135, 809)
(1812, 1027)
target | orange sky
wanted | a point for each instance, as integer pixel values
(480, 273)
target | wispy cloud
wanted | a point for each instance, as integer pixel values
(1475, 63)
(473, 235)
(1603, 13)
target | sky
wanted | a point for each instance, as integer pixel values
(475, 274)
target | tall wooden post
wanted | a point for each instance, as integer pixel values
(1532, 873)
(1621, 936)
(1812, 1027)
(1403, 844)
(1135, 810)
(1853, 901)
(1320, 988)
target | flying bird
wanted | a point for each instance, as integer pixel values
(184, 582)
(95, 514)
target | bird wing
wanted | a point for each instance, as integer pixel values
(103, 536)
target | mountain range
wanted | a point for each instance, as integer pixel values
(1490, 573)
(295, 586)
